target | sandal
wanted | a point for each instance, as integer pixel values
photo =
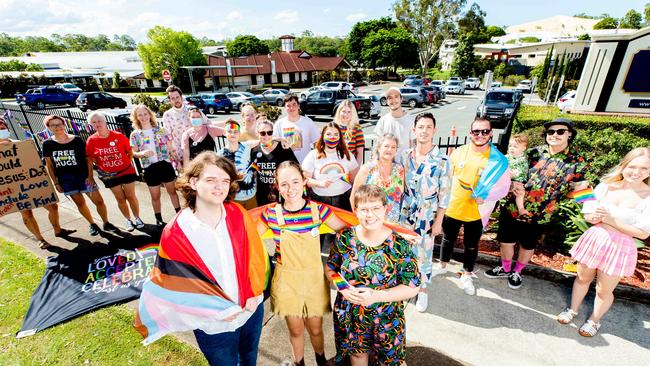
(589, 328)
(43, 244)
(566, 316)
(65, 232)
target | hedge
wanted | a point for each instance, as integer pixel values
(535, 116)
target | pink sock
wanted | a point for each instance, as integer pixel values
(506, 264)
(519, 266)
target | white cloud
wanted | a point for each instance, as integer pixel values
(287, 16)
(234, 15)
(356, 17)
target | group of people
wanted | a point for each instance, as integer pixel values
(295, 185)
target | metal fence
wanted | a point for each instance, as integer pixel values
(28, 123)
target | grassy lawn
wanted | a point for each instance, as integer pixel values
(547, 113)
(103, 337)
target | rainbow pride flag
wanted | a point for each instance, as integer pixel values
(465, 185)
(346, 178)
(340, 282)
(583, 195)
(255, 167)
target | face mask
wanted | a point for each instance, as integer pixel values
(4, 134)
(197, 122)
(331, 142)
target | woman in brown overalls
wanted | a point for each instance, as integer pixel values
(299, 290)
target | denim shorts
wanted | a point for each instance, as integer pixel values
(73, 184)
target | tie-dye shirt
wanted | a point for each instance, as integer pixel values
(299, 222)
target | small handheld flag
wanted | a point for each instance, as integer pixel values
(583, 195)
(346, 178)
(340, 282)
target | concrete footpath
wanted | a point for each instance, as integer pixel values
(498, 326)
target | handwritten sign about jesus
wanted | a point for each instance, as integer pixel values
(24, 183)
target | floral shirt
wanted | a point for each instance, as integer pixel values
(393, 187)
(427, 188)
(176, 122)
(160, 139)
(550, 179)
(518, 167)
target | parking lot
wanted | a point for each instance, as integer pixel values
(456, 111)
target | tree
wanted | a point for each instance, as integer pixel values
(389, 48)
(319, 45)
(584, 37)
(116, 80)
(494, 31)
(274, 44)
(631, 20)
(355, 42)
(428, 21)
(168, 49)
(607, 23)
(464, 58)
(245, 46)
(502, 70)
(473, 22)
(17, 65)
(646, 14)
(206, 42)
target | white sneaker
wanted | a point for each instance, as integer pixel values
(467, 284)
(422, 302)
(438, 270)
(129, 225)
(138, 223)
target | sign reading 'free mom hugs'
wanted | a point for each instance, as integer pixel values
(24, 183)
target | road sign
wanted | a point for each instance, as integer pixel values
(166, 75)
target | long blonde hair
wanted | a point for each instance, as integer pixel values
(137, 125)
(354, 118)
(616, 174)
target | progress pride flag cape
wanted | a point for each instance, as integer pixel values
(182, 294)
(493, 184)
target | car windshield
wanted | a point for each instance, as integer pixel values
(500, 97)
(452, 82)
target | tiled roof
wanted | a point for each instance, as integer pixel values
(285, 62)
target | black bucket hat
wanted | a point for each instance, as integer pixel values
(564, 122)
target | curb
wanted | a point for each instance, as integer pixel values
(561, 277)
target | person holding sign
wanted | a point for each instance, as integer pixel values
(374, 271)
(299, 133)
(28, 216)
(65, 159)
(111, 154)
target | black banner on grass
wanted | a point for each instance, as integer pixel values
(79, 281)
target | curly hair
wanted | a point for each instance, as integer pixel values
(194, 170)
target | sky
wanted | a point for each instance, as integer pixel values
(225, 19)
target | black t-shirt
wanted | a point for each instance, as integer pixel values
(267, 164)
(67, 158)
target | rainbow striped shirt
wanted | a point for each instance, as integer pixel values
(300, 222)
(354, 138)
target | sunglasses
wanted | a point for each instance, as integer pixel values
(266, 133)
(560, 132)
(484, 132)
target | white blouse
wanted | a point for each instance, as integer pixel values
(638, 216)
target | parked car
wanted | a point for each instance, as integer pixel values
(239, 98)
(196, 101)
(304, 94)
(498, 107)
(414, 82)
(412, 97)
(69, 87)
(375, 110)
(566, 101)
(439, 83)
(326, 101)
(472, 83)
(525, 86)
(217, 102)
(98, 100)
(41, 96)
(274, 96)
(441, 91)
(455, 78)
(337, 85)
(433, 94)
(496, 84)
(455, 87)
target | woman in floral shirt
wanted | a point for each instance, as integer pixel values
(152, 145)
(382, 272)
(555, 169)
